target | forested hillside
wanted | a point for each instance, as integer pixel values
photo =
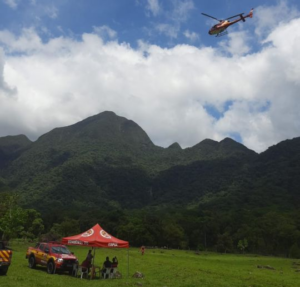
(105, 169)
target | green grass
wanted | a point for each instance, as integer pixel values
(162, 268)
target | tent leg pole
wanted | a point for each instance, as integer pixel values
(128, 262)
(93, 263)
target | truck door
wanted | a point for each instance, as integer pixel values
(40, 253)
(45, 255)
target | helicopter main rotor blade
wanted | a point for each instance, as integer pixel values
(235, 16)
(211, 17)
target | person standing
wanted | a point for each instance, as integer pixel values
(87, 263)
(143, 250)
(89, 257)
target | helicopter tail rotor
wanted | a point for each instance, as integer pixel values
(251, 13)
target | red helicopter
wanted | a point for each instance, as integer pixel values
(220, 29)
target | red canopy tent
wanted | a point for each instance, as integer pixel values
(97, 237)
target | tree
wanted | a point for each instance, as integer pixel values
(294, 251)
(8, 202)
(65, 228)
(173, 235)
(33, 224)
(12, 223)
(224, 243)
(242, 244)
(16, 221)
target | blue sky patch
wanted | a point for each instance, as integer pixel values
(216, 113)
(236, 136)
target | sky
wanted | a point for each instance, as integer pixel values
(153, 62)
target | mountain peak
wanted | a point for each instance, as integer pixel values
(175, 146)
(14, 142)
(206, 143)
(231, 145)
(103, 128)
(225, 148)
(227, 140)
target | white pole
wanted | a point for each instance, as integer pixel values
(128, 262)
(93, 264)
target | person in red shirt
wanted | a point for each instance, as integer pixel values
(114, 263)
(143, 250)
(87, 263)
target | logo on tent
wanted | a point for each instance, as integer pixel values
(75, 242)
(104, 234)
(88, 233)
(113, 244)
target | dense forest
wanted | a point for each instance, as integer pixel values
(217, 196)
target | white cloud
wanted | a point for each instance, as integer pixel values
(5, 90)
(50, 11)
(47, 85)
(105, 32)
(182, 9)
(236, 44)
(173, 19)
(269, 17)
(28, 41)
(12, 3)
(168, 30)
(153, 6)
(192, 36)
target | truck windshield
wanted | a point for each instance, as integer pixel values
(60, 250)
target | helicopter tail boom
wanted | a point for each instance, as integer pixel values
(250, 15)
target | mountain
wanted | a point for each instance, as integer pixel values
(105, 128)
(175, 146)
(11, 147)
(210, 149)
(277, 173)
(107, 161)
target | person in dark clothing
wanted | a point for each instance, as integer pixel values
(106, 265)
(89, 257)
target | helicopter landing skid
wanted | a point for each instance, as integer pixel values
(222, 34)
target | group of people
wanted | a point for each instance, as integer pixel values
(107, 264)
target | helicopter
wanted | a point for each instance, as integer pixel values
(220, 29)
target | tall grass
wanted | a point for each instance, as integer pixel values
(162, 268)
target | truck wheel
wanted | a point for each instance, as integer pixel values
(3, 270)
(31, 262)
(50, 267)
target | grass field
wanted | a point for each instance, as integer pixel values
(162, 268)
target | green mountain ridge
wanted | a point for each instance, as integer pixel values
(102, 128)
(213, 195)
(109, 161)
